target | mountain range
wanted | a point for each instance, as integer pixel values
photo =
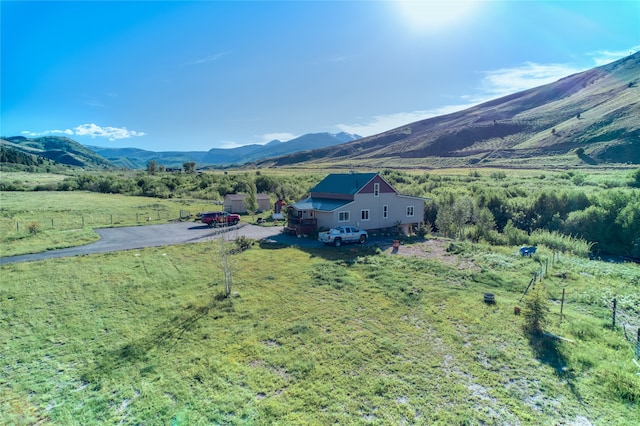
(138, 158)
(67, 151)
(592, 117)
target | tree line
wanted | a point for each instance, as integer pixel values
(13, 156)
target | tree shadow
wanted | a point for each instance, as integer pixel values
(587, 159)
(316, 249)
(547, 350)
(165, 337)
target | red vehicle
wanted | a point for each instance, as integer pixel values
(214, 219)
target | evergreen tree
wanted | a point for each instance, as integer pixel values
(152, 167)
(251, 200)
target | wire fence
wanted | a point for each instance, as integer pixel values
(34, 224)
(626, 320)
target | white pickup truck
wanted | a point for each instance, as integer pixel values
(343, 234)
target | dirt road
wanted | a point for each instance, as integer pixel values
(135, 237)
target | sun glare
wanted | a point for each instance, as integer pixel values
(427, 16)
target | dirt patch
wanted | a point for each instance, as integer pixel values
(433, 249)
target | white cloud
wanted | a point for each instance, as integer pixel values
(112, 133)
(230, 144)
(68, 132)
(264, 139)
(283, 137)
(506, 81)
(383, 123)
(206, 59)
(91, 130)
(604, 57)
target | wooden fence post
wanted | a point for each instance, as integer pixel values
(562, 305)
(615, 303)
(17, 226)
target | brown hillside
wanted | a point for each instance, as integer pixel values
(597, 110)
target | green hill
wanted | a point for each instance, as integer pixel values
(59, 149)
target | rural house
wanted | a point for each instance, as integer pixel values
(364, 200)
(235, 203)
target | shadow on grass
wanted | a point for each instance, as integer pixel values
(166, 337)
(548, 351)
(588, 160)
(328, 252)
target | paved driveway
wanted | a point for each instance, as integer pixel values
(134, 237)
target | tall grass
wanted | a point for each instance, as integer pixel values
(139, 337)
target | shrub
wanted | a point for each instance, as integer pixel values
(514, 236)
(243, 243)
(560, 242)
(635, 178)
(621, 384)
(535, 312)
(424, 230)
(33, 227)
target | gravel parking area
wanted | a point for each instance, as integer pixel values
(135, 237)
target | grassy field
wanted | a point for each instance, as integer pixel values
(30, 180)
(37, 221)
(321, 336)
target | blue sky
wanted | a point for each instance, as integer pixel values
(183, 76)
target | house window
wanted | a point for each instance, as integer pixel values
(376, 189)
(385, 212)
(409, 211)
(343, 217)
(364, 214)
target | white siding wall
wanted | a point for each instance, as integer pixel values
(396, 210)
(326, 219)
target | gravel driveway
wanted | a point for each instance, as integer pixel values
(135, 237)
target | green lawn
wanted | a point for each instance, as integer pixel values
(319, 336)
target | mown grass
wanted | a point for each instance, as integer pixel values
(318, 336)
(37, 221)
